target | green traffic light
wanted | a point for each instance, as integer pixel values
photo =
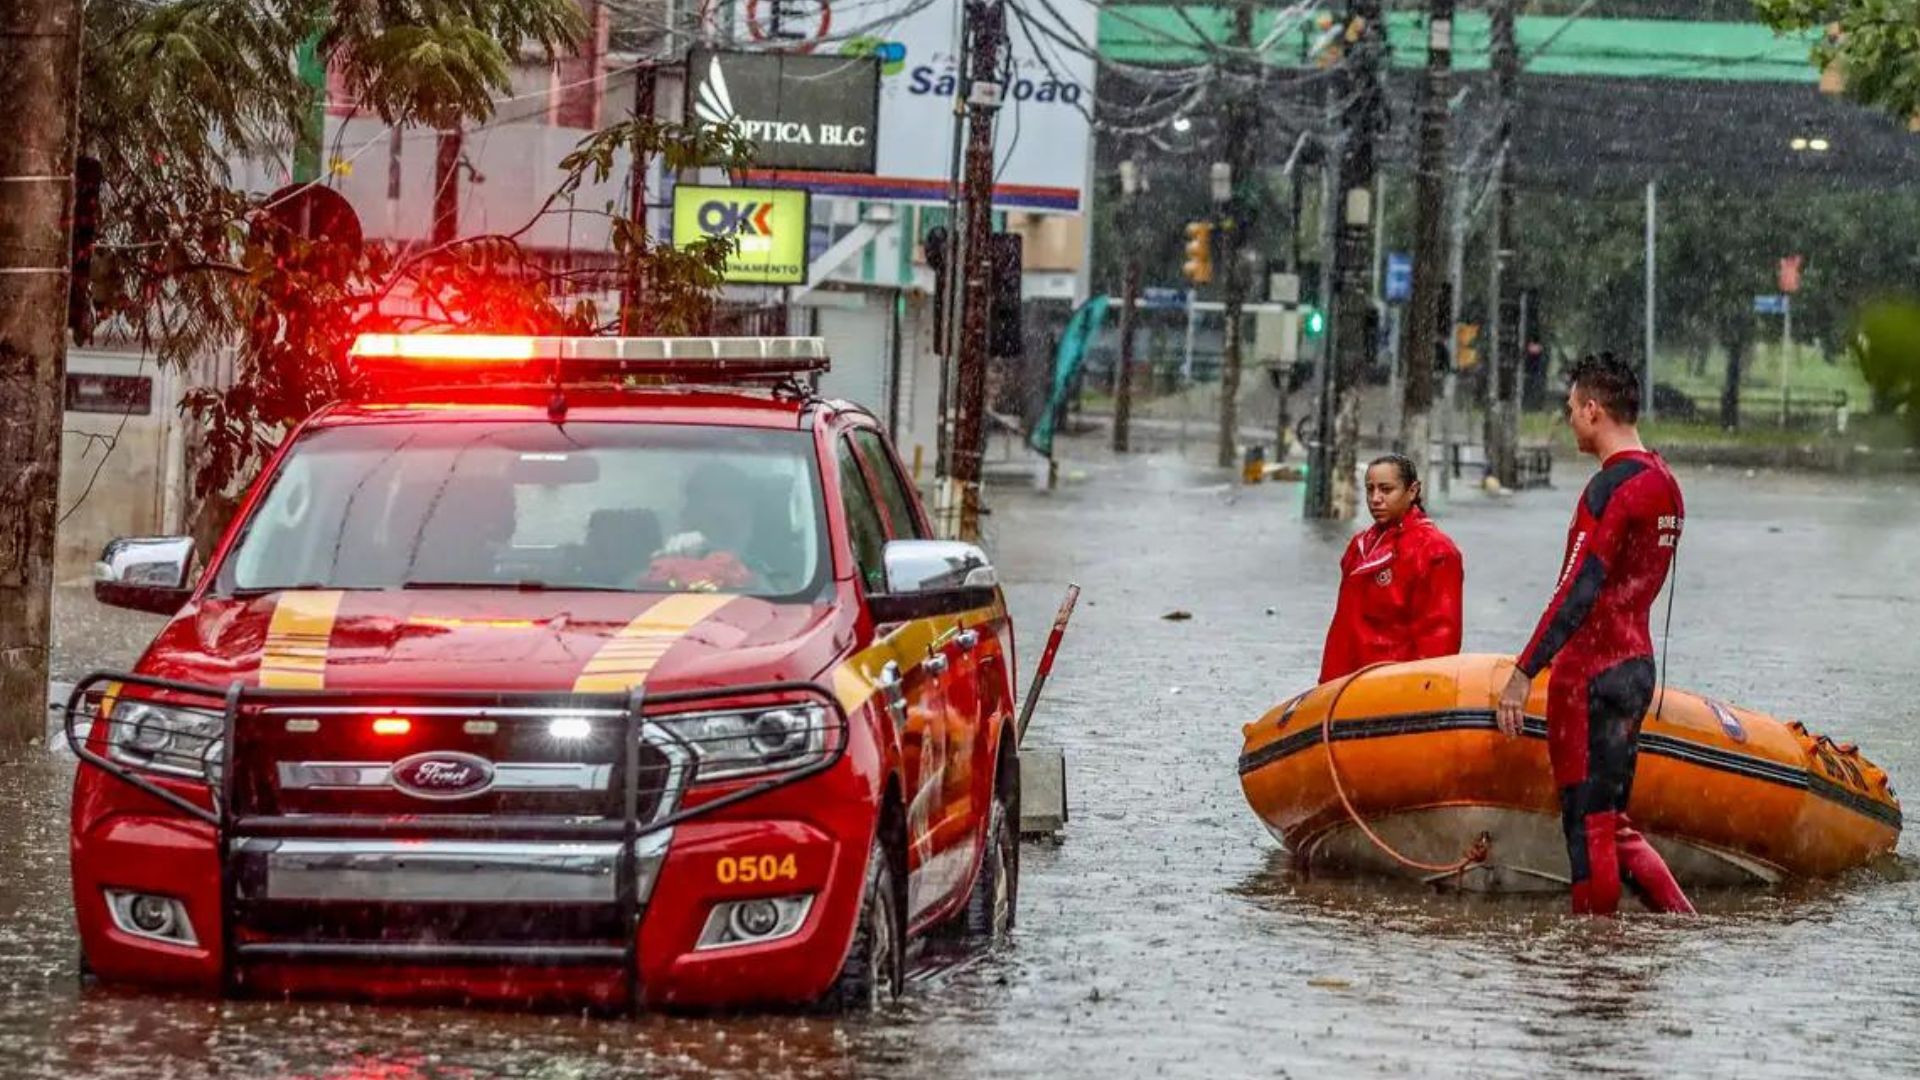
(1316, 322)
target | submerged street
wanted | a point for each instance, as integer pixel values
(1165, 934)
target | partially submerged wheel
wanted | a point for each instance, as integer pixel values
(994, 903)
(875, 969)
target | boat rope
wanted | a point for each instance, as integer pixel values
(1477, 852)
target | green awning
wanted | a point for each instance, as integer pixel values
(1550, 44)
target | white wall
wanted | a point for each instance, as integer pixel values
(121, 473)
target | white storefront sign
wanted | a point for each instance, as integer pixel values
(1043, 135)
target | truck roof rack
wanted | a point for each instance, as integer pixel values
(493, 358)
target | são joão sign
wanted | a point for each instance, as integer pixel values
(768, 226)
(813, 113)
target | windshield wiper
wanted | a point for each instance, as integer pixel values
(304, 586)
(517, 586)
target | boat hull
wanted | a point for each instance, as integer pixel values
(1729, 796)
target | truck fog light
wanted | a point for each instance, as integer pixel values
(754, 922)
(754, 918)
(148, 915)
(154, 914)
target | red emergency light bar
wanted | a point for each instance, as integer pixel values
(574, 359)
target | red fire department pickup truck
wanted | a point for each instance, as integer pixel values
(614, 671)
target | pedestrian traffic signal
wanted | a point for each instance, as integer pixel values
(1199, 264)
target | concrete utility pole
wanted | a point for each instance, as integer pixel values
(1130, 182)
(40, 79)
(1422, 344)
(1336, 494)
(1503, 355)
(1242, 132)
(632, 290)
(986, 24)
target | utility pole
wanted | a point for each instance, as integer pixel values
(1456, 289)
(446, 188)
(1242, 136)
(986, 26)
(632, 289)
(1422, 344)
(1503, 355)
(1336, 495)
(40, 67)
(1129, 295)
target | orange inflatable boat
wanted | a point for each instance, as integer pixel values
(1416, 780)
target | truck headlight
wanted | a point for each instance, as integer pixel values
(753, 740)
(166, 739)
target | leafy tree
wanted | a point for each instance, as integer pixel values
(1875, 45)
(1887, 345)
(174, 90)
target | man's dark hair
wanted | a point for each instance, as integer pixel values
(1611, 381)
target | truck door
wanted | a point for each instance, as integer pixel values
(951, 657)
(922, 710)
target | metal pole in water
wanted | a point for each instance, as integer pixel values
(1786, 349)
(1646, 388)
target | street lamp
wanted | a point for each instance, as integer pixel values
(1182, 125)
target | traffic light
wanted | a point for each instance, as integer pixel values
(87, 177)
(1327, 46)
(1467, 345)
(936, 246)
(1199, 264)
(1313, 321)
(1004, 330)
(1331, 39)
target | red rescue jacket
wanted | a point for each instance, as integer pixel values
(1400, 589)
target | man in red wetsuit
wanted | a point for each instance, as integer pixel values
(1595, 634)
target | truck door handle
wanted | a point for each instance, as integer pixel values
(889, 681)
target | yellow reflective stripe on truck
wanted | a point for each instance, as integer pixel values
(629, 656)
(295, 654)
(910, 644)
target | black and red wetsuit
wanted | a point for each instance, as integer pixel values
(1595, 634)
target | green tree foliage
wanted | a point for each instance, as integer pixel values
(1876, 48)
(1887, 345)
(1717, 249)
(175, 91)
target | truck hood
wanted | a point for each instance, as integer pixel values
(495, 640)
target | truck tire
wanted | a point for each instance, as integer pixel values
(875, 968)
(994, 903)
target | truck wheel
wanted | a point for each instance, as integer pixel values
(994, 901)
(875, 968)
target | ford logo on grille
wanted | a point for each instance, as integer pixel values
(445, 774)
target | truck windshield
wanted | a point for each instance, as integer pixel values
(605, 506)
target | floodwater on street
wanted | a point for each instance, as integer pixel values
(1165, 935)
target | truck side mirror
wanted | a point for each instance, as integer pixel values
(145, 573)
(926, 578)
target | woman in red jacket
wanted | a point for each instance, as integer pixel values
(1400, 580)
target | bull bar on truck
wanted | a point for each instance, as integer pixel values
(282, 871)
